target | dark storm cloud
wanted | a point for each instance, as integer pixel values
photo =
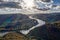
(46, 0)
(0, 0)
(9, 4)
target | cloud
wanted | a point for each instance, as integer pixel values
(45, 0)
(51, 1)
(48, 3)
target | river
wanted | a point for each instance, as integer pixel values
(40, 23)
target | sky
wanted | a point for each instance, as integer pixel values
(57, 2)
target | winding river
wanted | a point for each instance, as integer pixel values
(40, 23)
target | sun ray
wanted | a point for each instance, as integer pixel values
(28, 4)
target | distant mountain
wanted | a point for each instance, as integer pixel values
(16, 22)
